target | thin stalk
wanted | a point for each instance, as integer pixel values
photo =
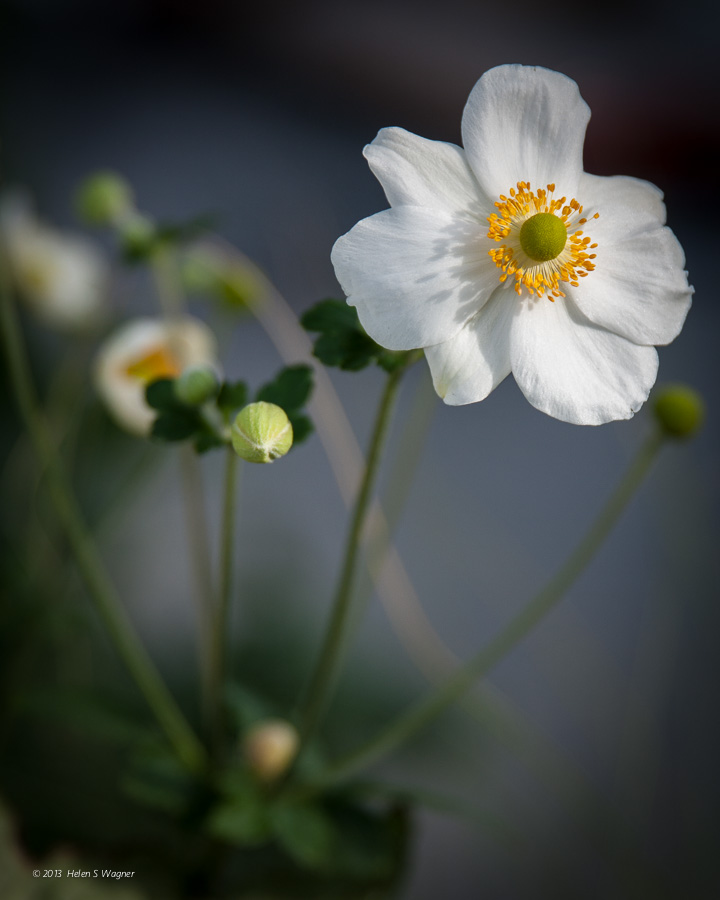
(199, 551)
(108, 605)
(323, 678)
(219, 641)
(171, 298)
(422, 713)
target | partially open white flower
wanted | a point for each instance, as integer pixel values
(141, 351)
(507, 257)
(61, 276)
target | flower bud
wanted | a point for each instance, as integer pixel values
(261, 432)
(679, 410)
(270, 747)
(104, 199)
(196, 385)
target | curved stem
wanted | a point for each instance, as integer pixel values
(218, 648)
(422, 713)
(108, 605)
(325, 672)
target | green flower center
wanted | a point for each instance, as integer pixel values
(543, 236)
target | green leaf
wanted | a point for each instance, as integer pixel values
(344, 343)
(341, 340)
(241, 822)
(302, 427)
(176, 425)
(305, 833)
(290, 389)
(160, 395)
(207, 440)
(232, 396)
(370, 845)
(158, 780)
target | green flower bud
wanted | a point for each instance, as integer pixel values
(261, 432)
(196, 385)
(270, 747)
(104, 199)
(679, 410)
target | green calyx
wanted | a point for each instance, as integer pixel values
(543, 237)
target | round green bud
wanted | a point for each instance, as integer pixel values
(196, 385)
(543, 236)
(261, 433)
(679, 410)
(270, 747)
(104, 199)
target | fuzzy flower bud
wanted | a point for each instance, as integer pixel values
(680, 411)
(270, 747)
(196, 385)
(104, 199)
(261, 433)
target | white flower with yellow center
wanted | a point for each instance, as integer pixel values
(507, 257)
(141, 351)
(62, 277)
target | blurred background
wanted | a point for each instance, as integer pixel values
(597, 748)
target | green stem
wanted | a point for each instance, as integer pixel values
(323, 678)
(219, 641)
(121, 631)
(201, 565)
(422, 713)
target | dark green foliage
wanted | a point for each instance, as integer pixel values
(233, 396)
(291, 390)
(343, 342)
(176, 421)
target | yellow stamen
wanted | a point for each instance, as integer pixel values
(158, 363)
(540, 276)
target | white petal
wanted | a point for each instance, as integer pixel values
(575, 371)
(626, 206)
(415, 275)
(638, 288)
(417, 172)
(470, 365)
(525, 123)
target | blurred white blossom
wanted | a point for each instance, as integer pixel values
(141, 351)
(61, 276)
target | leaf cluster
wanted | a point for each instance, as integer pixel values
(342, 342)
(177, 421)
(142, 239)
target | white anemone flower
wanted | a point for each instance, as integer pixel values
(61, 276)
(141, 351)
(507, 257)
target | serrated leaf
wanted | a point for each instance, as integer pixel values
(160, 395)
(290, 389)
(305, 832)
(176, 425)
(341, 341)
(207, 440)
(348, 349)
(232, 396)
(302, 427)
